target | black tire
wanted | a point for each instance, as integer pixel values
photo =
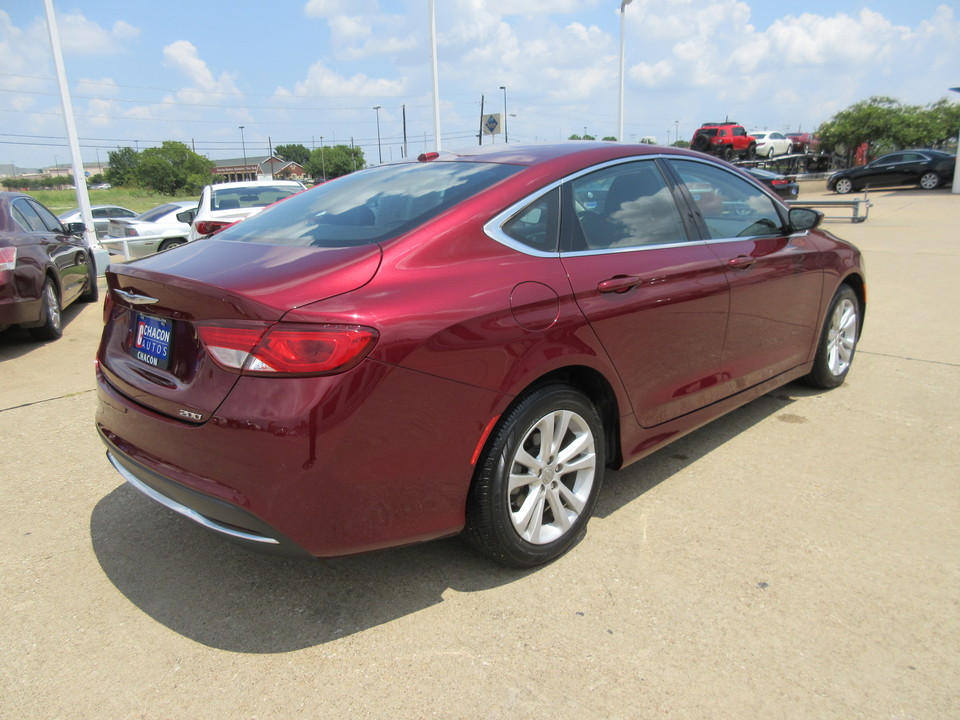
(752, 152)
(92, 292)
(727, 153)
(524, 526)
(843, 186)
(52, 327)
(838, 341)
(701, 143)
(929, 181)
(171, 243)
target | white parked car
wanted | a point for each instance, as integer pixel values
(155, 230)
(771, 143)
(226, 203)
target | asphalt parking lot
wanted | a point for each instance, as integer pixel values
(799, 558)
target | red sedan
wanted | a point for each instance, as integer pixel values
(462, 344)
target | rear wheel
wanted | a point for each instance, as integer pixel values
(838, 341)
(538, 478)
(843, 186)
(929, 180)
(172, 243)
(52, 327)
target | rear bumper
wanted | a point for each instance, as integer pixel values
(221, 517)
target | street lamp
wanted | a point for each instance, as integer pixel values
(242, 143)
(956, 167)
(506, 138)
(379, 149)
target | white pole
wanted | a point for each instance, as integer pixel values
(956, 167)
(436, 79)
(79, 180)
(623, 6)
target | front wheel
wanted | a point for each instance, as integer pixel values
(838, 341)
(843, 186)
(538, 478)
(929, 180)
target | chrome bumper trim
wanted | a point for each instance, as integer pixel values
(184, 510)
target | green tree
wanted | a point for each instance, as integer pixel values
(293, 153)
(581, 137)
(336, 161)
(173, 168)
(122, 166)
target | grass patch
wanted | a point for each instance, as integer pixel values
(60, 201)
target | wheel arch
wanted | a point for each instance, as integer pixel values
(856, 283)
(597, 388)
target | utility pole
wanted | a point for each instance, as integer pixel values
(480, 133)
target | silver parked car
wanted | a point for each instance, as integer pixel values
(102, 215)
(153, 231)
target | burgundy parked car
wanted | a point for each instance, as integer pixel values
(462, 344)
(44, 266)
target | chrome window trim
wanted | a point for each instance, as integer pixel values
(493, 228)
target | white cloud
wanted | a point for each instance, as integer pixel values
(83, 37)
(322, 81)
(183, 57)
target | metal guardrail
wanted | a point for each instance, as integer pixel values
(854, 204)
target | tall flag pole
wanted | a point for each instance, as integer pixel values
(436, 80)
(623, 5)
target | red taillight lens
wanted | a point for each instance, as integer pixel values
(209, 227)
(288, 349)
(130, 232)
(8, 258)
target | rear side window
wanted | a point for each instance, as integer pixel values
(625, 206)
(369, 206)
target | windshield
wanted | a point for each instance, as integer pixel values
(368, 206)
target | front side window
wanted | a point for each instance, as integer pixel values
(625, 206)
(50, 221)
(729, 205)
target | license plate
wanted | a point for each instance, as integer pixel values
(151, 343)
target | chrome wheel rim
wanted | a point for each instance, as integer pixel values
(53, 307)
(551, 475)
(844, 186)
(842, 336)
(928, 181)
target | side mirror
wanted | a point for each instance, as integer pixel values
(187, 216)
(802, 218)
(76, 228)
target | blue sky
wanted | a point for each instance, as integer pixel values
(296, 71)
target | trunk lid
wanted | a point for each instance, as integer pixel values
(157, 303)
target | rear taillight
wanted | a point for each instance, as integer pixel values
(209, 227)
(287, 349)
(8, 258)
(130, 232)
(782, 181)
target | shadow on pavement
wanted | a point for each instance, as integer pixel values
(224, 596)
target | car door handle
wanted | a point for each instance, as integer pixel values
(619, 284)
(740, 262)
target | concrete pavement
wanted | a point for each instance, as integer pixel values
(795, 559)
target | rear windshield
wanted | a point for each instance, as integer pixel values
(369, 206)
(158, 212)
(247, 197)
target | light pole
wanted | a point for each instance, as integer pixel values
(323, 164)
(956, 167)
(379, 149)
(623, 7)
(244, 145)
(506, 137)
(677, 127)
